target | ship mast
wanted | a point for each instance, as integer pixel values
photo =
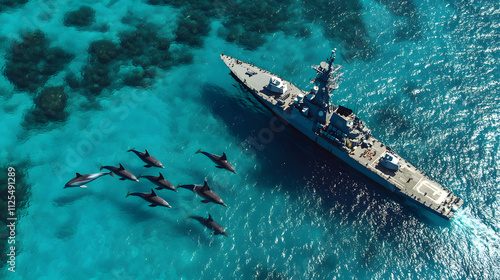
(326, 81)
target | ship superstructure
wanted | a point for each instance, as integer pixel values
(340, 132)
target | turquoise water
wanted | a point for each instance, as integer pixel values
(428, 87)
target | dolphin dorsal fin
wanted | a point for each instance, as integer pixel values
(78, 175)
(205, 187)
(161, 175)
(223, 157)
(147, 154)
(153, 192)
(210, 217)
(121, 167)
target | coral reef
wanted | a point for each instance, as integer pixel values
(409, 28)
(82, 17)
(50, 104)
(342, 19)
(142, 47)
(145, 47)
(32, 62)
(246, 23)
(95, 77)
(192, 27)
(7, 4)
(96, 72)
(103, 51)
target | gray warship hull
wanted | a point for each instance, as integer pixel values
(409, 183)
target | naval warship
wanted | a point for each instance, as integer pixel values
(341, 133)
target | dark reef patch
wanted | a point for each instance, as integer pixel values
(8, 4)
(390, 116)
(51, 102)
(342, 19)
(95, 78)
(249, 21)
(246, 23)
(49, 107)
(103, 51)
(193, 26)
(96, 72)
(138, 77)
(32, 62)
(413, 90)
(409, 27)
(145, 47)
(130, 62)
(82, 17)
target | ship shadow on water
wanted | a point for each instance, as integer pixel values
(303, 166)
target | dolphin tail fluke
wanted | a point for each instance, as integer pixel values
(111, 173)
(178, 186)
(102, 167)
(197, 152)
(128, 193)
(139, 177)
(131, 150)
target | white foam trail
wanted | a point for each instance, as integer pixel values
(480, 234)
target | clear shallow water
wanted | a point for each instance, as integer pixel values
(292, 211)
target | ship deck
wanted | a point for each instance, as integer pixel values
(257, 79)
(408, 182)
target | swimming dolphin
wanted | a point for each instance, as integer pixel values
(151, 161)
(81, 180)
(205, 192)
(122, 172)
(161, 182)
(152, 198)
(221, 161)
(210, 224)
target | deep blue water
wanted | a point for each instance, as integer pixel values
(422, 74)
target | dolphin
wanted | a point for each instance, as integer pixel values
(221, 161)
(122, 172)
(161, 182)
(80, 180)
(152, 198)
(205, 192)
(151, 161)
(210, 224)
